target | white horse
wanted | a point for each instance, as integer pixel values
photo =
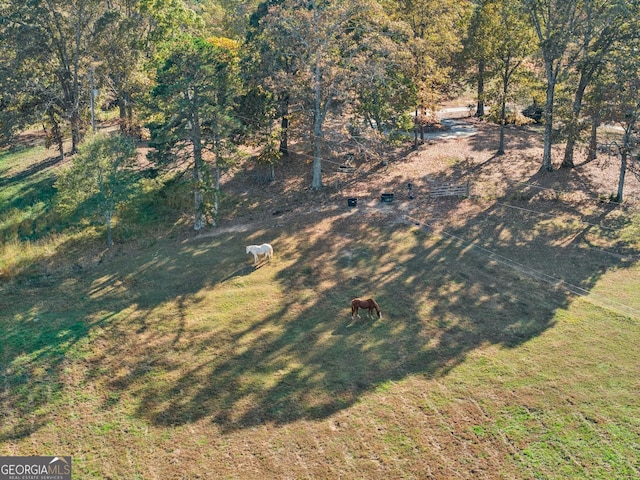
(256, 250)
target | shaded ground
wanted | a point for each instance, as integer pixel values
(443, 160)
(171, 356)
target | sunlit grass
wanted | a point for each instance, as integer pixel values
(170, 354)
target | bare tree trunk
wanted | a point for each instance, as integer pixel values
(623, 158)
(623, 171)
(480, 108)
(56, 134)
(216, 194)
(316, 182)
(198, 199)
(548, 117)
(131, 125)
(567, 161)
(109, 234)
(503, 109)
(284, 126)
(593, 142)
(574, 121)
(198, 177)
(502, 127)
(415, 130)
(76, 134)
(122, 115)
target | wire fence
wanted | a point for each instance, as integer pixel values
(556, 282)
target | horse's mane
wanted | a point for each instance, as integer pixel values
(375, 304)
(371, 300)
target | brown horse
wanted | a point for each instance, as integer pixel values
(369, 304)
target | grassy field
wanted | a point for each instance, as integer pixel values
(507, 347)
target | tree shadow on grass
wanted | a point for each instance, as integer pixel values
(242, 271)
(30, 171)
(443, 295)
(34, 354)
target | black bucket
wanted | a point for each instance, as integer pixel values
(352, 202)
(386, 197)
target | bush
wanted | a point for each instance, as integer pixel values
(100, 179)
(534, 112)
(512, 118)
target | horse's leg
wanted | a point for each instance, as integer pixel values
(255, 258)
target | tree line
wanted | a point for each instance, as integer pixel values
(204, 76)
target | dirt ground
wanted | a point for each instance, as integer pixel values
(515, 177)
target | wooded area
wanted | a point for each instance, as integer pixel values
(199, 78)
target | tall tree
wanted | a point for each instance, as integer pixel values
(437, 27)
(29, 94)
(118, 61)
(555, 23)
(194, 103)
(128, 41)
(57, 46)
(382, 88)
(322, 38)
(272, 64)
(621, 92)
(477, 46)
(512, 42)
(605, 24)
(52, 35)
(234, 16)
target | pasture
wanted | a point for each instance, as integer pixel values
(507, 346)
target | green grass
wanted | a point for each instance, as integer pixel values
(26, 181)
(172, 356)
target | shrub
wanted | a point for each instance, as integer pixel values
(512, 118)
(534, 112)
